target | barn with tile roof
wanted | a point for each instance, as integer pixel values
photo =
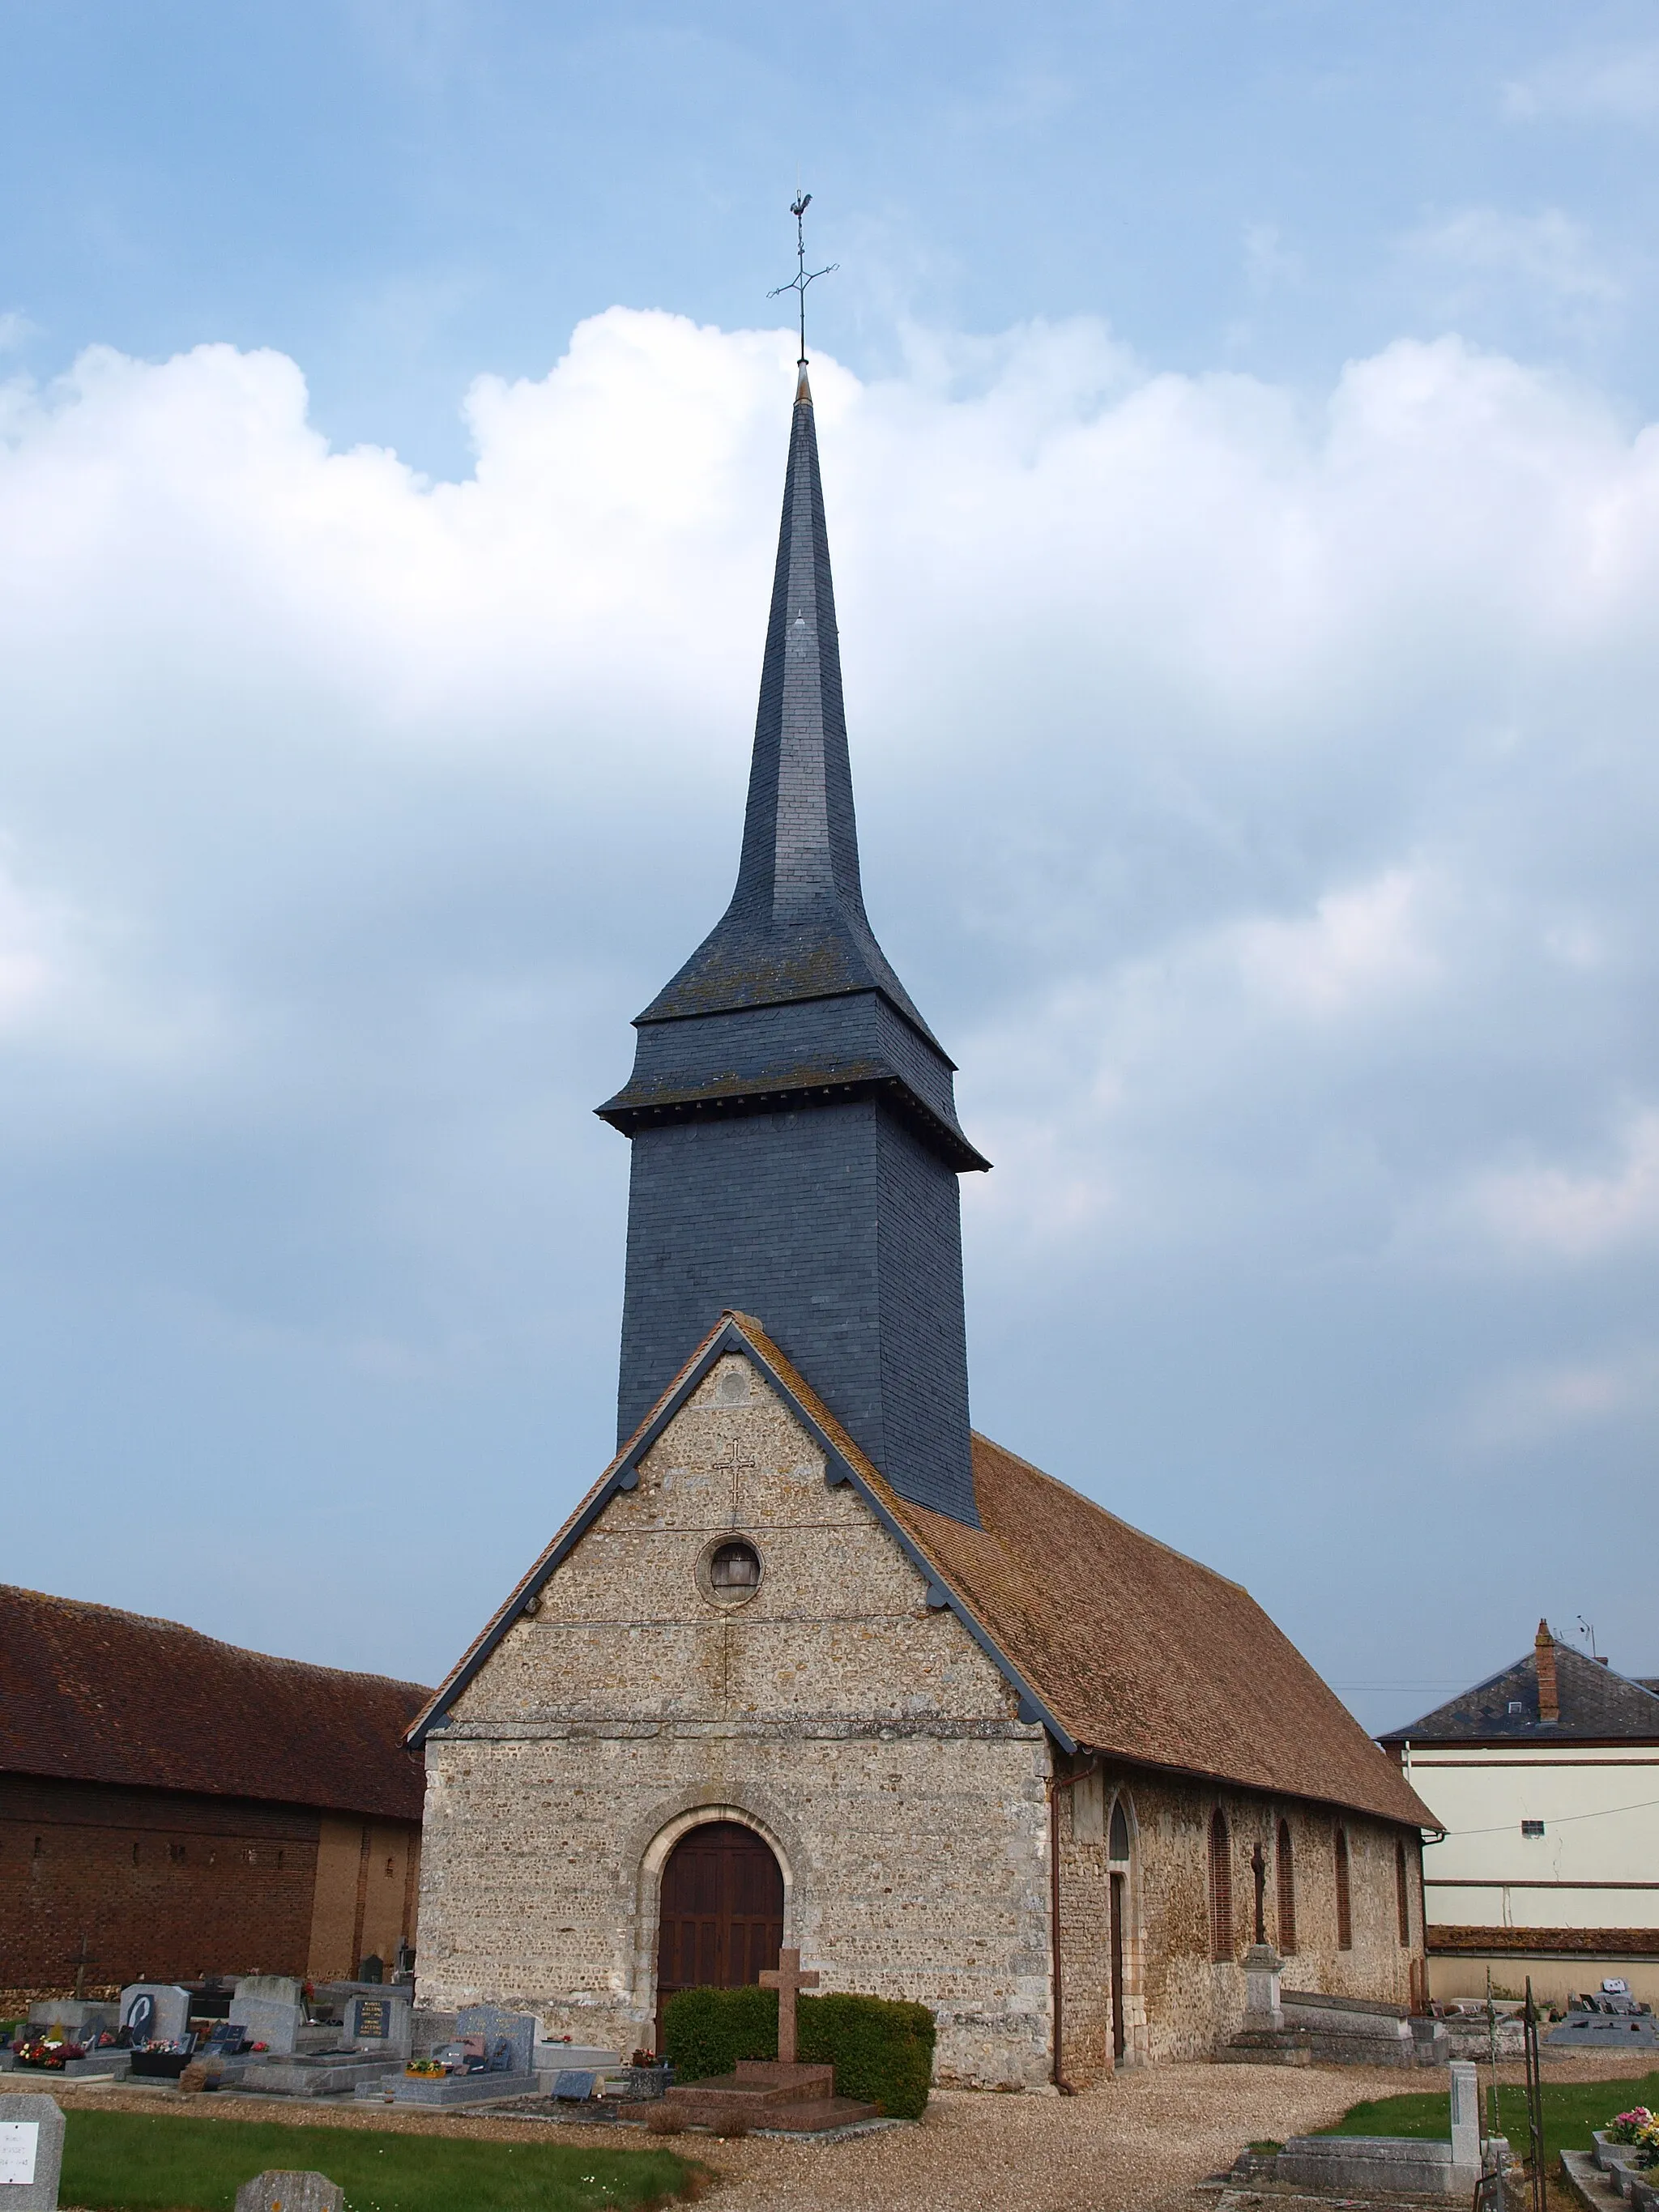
(172, 1805)
(812, 1663)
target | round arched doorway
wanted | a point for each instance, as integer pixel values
(721, 1918)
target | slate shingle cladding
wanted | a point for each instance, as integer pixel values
(794, 1123)
(1597, 1706)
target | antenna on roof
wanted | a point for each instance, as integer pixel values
(1587, 1630)
(803, 276)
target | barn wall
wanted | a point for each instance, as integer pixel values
(163, 1885)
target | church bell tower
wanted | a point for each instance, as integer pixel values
(795, 1132)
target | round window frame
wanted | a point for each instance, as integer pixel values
(727, 1601)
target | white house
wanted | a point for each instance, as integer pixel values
(1545, 1777)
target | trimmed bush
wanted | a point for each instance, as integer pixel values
(882, 2052)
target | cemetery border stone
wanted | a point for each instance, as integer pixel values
(31, 2153)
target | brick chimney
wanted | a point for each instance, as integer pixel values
(1543, 1652)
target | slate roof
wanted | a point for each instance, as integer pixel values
(1116, 1643)
(1596, 1704)
(796, 928)
(91, 1694)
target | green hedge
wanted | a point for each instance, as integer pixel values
(881, 2052)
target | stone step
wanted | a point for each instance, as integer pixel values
(735, 2108)
(765, 2081)
(1267, 2046)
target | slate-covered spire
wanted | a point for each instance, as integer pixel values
(796, 928)
(793, 1122)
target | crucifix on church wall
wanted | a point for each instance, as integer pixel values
(787, 1979)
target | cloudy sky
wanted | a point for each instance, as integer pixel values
(1236, 421)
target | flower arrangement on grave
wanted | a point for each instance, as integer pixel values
(46, 2054)
(425, 2069)
(1647, 2147)
(1628, 2127)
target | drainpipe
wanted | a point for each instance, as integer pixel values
(1057, 1783)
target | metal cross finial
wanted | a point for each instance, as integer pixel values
(803, 276)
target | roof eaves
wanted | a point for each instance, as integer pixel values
(841, 1452)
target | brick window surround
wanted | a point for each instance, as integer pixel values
(1284, 1872)
(1221, 1888)
(1344, 1896)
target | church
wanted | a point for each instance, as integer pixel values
(812, 1663)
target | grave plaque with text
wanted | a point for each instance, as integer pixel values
(31, 2153)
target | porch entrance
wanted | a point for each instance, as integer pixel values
(721, 1921)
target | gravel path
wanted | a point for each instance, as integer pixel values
(1139, 2144)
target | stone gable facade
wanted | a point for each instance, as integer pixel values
(876, 1749)
(867, 1739)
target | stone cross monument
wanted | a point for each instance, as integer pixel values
(787, 1979)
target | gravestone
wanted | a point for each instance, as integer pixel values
(274, 1989)
(268, 2020)
(1465, 2116)
(516, 2029)
(1262, 2008)
(787, 1979)
(31, 2153)
(279, 2190)
(381, 2026)
(76, 2016)
(156, 2012)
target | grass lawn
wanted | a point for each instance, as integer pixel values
(127, 2162)
(1571, 2108)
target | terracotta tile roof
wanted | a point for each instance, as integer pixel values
(1447, 1941)
(1596, 1704)
(89, 1694)
(1137, 1650)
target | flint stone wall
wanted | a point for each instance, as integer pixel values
(870, 1741)
(878, 1750)
(1180, 2002)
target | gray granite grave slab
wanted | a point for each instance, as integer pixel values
(117, 2063)
(31, 2153)
(429, 2028)
(494, 2023)
(1602, 2031)
(456, 2088)
(75, 2015)
(269, 2020)
(156, 2012)
(378, 2022)
(557, 2058)
(285, 2189)
(330, 2074)
(274, 1989)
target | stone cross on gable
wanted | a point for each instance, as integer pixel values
(787, 1980)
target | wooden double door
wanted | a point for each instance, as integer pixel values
(721, 1922)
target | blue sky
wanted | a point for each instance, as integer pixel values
(1233, 421)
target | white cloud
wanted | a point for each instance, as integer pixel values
(1257, 790)
(1621, 83)
(1530, 1410)
(1550, 256)
(1556, 1213)
(1356, 943)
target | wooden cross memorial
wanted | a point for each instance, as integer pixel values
(787, 1979)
